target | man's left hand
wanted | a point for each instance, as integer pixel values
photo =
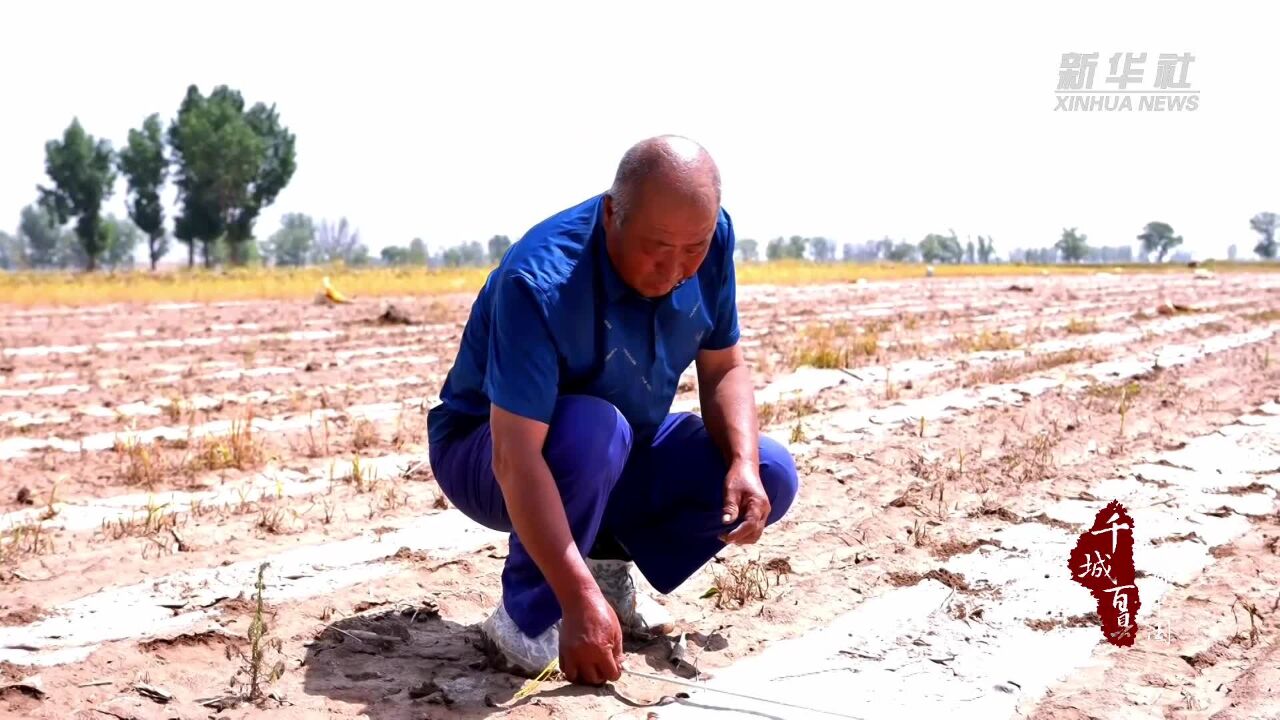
(744, 497)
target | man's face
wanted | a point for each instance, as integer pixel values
(662, 240)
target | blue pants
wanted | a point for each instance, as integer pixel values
(659, 506)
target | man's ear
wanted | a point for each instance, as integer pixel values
(608, 210)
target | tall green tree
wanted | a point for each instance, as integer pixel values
(394, 255)
(1265, 223)
(38, 236)
(83, 174)
(276, 167)
(468, 254)
(931, 248)
(901, 251)
(941, 248)
(796, 246)
(748, 249)
(143, 163)
(1073, 246)
(472, 253)
(1158, 238)
(417, 253)
(291, 245)
(824, 250)
(498, 245)
(1043, 256)
(231, 163)
(213, 155)
(986, 249)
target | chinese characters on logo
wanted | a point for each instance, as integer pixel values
(1123, 81)
(1102, 562)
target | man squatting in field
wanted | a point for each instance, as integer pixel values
(554, 422)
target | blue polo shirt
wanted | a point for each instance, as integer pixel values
(554, 318)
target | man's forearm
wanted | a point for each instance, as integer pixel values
(537, 513)
(729, 411)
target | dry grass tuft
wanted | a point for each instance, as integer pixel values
(781, 411)
(833, 347)
(1032, 461)
(1112, 398)
(738, 583)
(140, 463)
(317, 447)
(1081, 327)
(150, 521)
(24, 540)
(175, 409)
(237, 449)
(365, 435)
(988, 341)
(362, 476)
(272, 520)
(1005, 371)
(797, 432)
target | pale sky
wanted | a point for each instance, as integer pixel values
(454, 122)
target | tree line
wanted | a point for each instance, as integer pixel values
(227, 161)
(302, 241)
(1157, 238)
(41, 243)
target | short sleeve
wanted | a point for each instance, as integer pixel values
(522, 371)
(724, 332)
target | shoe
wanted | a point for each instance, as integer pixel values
(513, 651)
(638, 614)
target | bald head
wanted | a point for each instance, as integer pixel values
(670, 165)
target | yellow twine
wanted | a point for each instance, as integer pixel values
(532, 686)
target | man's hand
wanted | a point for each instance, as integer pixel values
(744, 497)
(729, 410)
(591, 641)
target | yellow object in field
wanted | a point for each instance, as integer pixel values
(530, 687)
(332, 293)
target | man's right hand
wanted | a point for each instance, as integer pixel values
(591, 641)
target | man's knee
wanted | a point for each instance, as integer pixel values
(779, 477)
(587, 444)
